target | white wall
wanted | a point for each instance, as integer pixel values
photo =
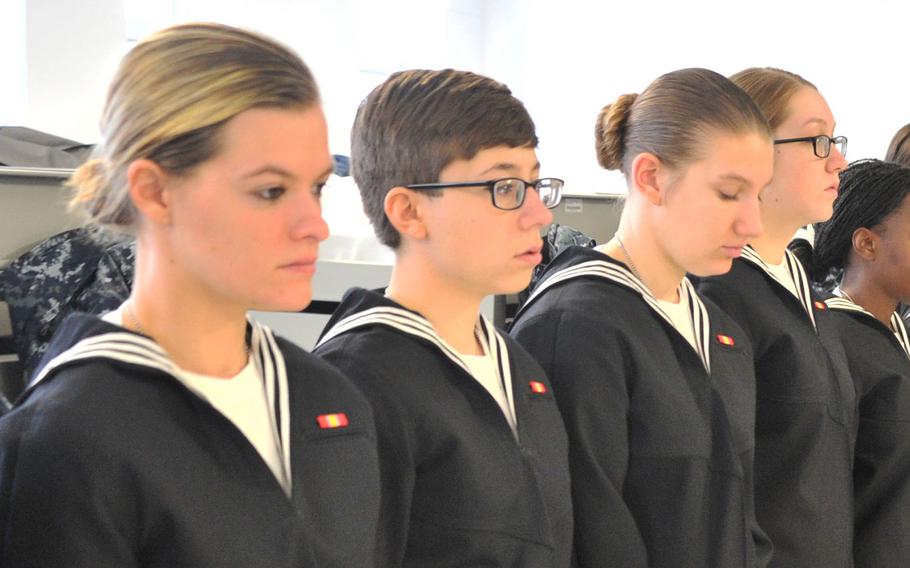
(72, 49)
(352, 45)
(13, 92)
(565, 59)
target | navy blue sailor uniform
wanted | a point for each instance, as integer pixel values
(879, 358)
(110, 460)
(459, 486)
(660, 431)
(805, 424)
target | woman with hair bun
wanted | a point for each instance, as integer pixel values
(805, 410)
(174, 431)
(655, 384)
(861, 258)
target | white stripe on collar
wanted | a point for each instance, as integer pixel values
(797, 273)
(839, 302)
(624, 277)
(408, 322)
(274, 374)
(139, 350)
(119, 345)
(900, 331)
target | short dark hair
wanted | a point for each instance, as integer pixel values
(417, 122)
(671, 117)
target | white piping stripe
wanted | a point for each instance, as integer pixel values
(283, 401)
(900, 330)
(797, 273)
(698, 314)
(499, 351)
(897, 324)
(418, 326)
(101, 352)
(399, 319)
(602, 269)
(139, 350)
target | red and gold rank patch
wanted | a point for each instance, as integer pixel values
(329, 421)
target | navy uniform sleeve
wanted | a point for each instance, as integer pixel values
(62, 501)
(881, 471)
(396, 448)
(586, 367)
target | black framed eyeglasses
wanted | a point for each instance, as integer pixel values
(508, 193)
(821, 144)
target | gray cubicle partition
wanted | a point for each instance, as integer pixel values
(596, 215)
(32, 208)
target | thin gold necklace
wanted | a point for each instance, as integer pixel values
(134, 321)
(628, 256)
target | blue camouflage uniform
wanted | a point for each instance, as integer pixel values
(74, 271)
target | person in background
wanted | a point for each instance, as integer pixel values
(805, 413)
(861, 260)
(472, 449)
(174, 431)
(656, 384)
(899, 152)
(83, 270)
(899, 149)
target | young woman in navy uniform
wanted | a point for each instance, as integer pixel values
(805, 418)
(655, 384)
(174, 431)
(861, 259)
(472, 449)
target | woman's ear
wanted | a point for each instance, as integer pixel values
(403, 208)
(865, 243)
(649, 177)
(147, 182)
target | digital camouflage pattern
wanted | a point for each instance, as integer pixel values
(74, 271)
(558, 237)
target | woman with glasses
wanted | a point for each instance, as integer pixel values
(656, 385)
(472, 449)
(174, 431)
(805, 413)
(862, 258)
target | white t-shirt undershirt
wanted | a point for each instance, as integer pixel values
(679, 315)
(483, 369)
(242, 400)
(677, 311)
(783, 274)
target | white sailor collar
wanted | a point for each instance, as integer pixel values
(839, 302)
(797, 273)
(618, 273)
(411, 323)
(134, 349)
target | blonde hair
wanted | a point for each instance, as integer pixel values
(771, 89)
(671, 118)
(169, 100)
